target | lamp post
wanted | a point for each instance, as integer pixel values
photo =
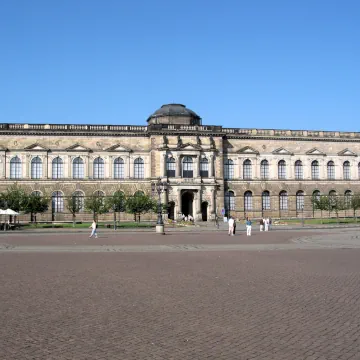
(302, 215)
(159, 187)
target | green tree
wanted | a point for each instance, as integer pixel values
(337, 204)
(13, 198)
(74, 204)
(321, 203)
(117, 203)
(97, 204)
(139, 204)
(355, 203)
(35, 204)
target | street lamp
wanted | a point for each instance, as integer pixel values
(159, 187)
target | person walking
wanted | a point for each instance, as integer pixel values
(217, 221)
(231, 226)
(266, 223)
(248, 227)
(261, 224)
(234, 226)
(93, 226)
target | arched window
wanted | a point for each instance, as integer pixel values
(300, 200)
(248, 201)
(331, 170)
(119, 168)
(264, 169)
(346, 170)
(204, 168)
(78, 168)
(282, 169)
(57, 202)
(316, 195)
(332, 198)
(139, 172)
(170, 167)
(315, 170)
(15, 168)
(58, 168)
(265, 200)
(78, 200)
(36, 193)
(188, 167)
(229, 169)
(299, 172)
(348, 199)
(283, 200)
(36, 168)
(99, 168)
(229, 201)
(247, 169)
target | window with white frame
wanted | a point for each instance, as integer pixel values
(300, 200)
(187, 169)
(204, 167)
(79, 200)
(78, 168)
(316, 195)
(264, 169)
(283, 200)
(282, 170)
(119, 168)
(15, 168)
(346, 170)
(139, 171)
(229, 200)
(331, 170)
(36, 168)
(99, 168)
(299, 171)
(247, 169)
(315, 170)
(229, 169)
(170, 167)
(57, 168)
(265, 200)
(348, 199)
(248, 205)
(57, 202)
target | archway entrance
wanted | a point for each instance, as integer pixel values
(171, 210)
(204, 211)
(187, 200)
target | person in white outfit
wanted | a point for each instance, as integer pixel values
(266, 223)
(231, 226)
(248, 227)
(93, 231)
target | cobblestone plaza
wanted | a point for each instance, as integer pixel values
(277, 295)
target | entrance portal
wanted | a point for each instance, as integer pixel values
(187, 200)
(204, 209)
(171, 210)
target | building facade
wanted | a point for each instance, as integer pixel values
(247, 172)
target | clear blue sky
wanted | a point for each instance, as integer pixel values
(261, 63)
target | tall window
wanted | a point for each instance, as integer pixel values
(204, 168)
(229, 200)
(248, 201)
(36, 193)
(331, 170)
(282, 169)
(348, 199)
(265, 200)
(78, 168)
(300, 200)
(99, 168)
(15, 168)
(346, 170)
(264, 169)
(57, 202)
(139, 172)
(315, 170)
(283, 200)
(247, 170)
(119, 168)
(78, 197)
(170, 167)
(188, 167)
(299, 173)
(36, 168)
(316, 195)
(229, 169)
(57, 168)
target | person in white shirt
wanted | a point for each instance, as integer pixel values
(266, 223)
(93, 231)
(231, 226)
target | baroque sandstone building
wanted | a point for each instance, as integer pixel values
(254, 172)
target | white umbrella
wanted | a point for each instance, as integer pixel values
(11, 212)
(2, 212)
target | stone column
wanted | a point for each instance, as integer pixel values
(213, 201)
(197, 212)
(110, 168)
(69, 165)
(178, 203)
(46, 172)
(131, 167)
(211, 166)
(178, 166)
(198, 166)
(164, 165)
(27, 166)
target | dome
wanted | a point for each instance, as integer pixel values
(171, 111)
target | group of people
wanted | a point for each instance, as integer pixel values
(186, 218)
(265, 225)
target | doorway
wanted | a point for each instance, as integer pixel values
(204, 211)
(171, 210)
(187, 200)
